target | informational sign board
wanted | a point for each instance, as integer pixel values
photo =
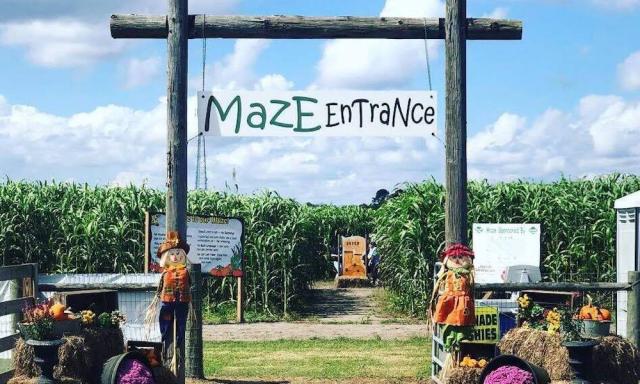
(317, 113)
(215, 242)
(487, 328)
(498, 246)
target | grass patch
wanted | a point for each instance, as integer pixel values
(319, 359)
(225, 313)
(387, 305)
(5, 365)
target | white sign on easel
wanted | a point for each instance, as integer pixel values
(499, 246)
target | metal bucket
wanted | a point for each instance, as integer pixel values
(594, 329)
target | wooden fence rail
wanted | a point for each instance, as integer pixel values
(26, 274)
(552, 286)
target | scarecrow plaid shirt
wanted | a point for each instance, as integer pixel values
(175, 285)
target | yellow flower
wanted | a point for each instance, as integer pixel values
(524, 301)
(87, 317)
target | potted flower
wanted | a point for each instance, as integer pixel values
(38, 329)
(509, 369)
(530, 313)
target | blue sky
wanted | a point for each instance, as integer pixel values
(76, 105)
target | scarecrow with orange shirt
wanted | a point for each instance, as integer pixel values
(173, 292)
(452, 302)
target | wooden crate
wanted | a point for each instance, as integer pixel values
(552, 299)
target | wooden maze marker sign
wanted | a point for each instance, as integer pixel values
(216, 243)
(317, 113)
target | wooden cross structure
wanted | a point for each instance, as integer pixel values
(178, 26)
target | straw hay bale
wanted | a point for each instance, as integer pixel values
(34, 380)
(352, 282)
(540, 348)
(80, 358)
(461, 375)
(615, 359)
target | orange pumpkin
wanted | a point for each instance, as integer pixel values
(57, 311)
(606, 314)
(586, 312)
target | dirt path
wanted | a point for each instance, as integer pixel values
(331, 313)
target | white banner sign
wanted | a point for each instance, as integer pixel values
(317, 113)
(499, 246)
(215, 242)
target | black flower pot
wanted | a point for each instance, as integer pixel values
(46, 357)
(580, 360)
(540, 375)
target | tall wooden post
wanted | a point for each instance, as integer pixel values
(193, 358)
(177, 44)
(239, 302)
(177, 47)
(633, 309)
(456, 122)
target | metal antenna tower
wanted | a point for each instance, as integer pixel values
(201, 163)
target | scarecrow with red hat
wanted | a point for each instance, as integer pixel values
(452, 302)
(173, 293)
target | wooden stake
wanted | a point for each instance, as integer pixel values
(177, 48)
(147, 241)
(239, 306)
(633, 309)
(456, 123)
(193, 359)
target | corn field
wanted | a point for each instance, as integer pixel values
(577, 217)
(72, 228)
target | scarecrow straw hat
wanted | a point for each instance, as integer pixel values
(172, 241)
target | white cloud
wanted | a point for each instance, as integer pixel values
(61, 43)
(629, 72)
(617, 4)
(498, 13)
(366, 64)
(71, 33)
(596, 137)
(235, 71)
(273, 82)
(94, 145)
(101, 10)
(138, 72)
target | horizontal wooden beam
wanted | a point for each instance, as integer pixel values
(5, 376)
(300, 27)
(86, 286)
(7, 343)
(11, 307)
(551, 286)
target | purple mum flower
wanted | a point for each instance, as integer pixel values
(509, 374)
(132, 371)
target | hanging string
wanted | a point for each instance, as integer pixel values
(426, 53)
(204, 52)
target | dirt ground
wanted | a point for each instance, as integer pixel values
(332, 313)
